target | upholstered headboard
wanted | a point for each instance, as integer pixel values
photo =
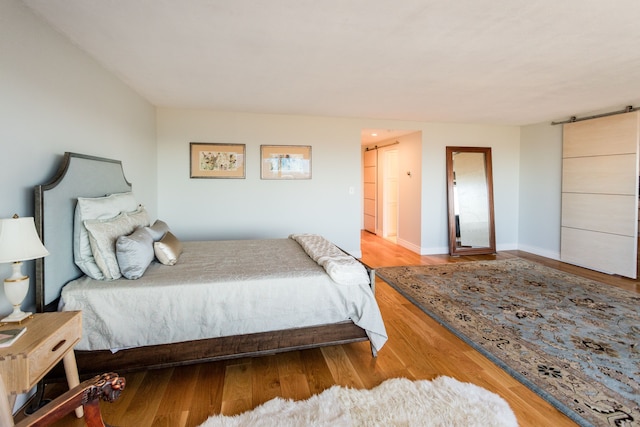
(78, 176)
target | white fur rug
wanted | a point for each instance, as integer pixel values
(396, 402)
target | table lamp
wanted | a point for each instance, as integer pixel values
(19, 242)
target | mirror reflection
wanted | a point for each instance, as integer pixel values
(470, 200)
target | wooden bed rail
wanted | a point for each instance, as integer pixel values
(214, 349)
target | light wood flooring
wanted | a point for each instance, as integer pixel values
(418, 348)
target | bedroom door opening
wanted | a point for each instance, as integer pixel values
(381, 193)
(392, 185)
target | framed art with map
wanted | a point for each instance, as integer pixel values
(285, 161)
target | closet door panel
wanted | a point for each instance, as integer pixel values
(608, 253)
(370, 191)
(603, 136)
(600, 194)
(370, 172)
(602, 174)
(604, 213)
(370, 223)
(369, 205)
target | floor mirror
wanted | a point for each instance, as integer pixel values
(470, 201)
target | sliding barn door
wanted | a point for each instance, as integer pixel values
(600, 194)
(370, 189)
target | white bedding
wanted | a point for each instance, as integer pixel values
(219, 288)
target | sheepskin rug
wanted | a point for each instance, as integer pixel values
(396, 402)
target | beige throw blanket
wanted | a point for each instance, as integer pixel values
(340, 266)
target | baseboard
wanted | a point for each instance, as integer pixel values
(445, 249)
(539, 251)
(408, 245)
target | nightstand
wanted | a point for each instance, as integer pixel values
(50, 337)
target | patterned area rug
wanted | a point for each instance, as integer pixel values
(574, 341)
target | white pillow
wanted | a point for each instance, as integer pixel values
(134, 253)
(103, 234)
(168, 249)
(90, 209)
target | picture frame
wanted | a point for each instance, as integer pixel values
(216, 160)
(285, 162)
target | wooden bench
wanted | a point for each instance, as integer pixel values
(87, 394)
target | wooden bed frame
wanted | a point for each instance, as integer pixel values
(88, 176)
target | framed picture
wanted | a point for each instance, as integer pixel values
(285, 161)
(212, 160)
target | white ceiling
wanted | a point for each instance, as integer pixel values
(475, 61)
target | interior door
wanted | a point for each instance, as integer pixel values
(370, 189)
(600, 194)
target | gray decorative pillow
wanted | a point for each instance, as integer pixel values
(168, 249)
(134, 253)
(158, 230)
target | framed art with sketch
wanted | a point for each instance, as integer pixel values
(215, 160)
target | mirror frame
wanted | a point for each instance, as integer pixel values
(453, 248)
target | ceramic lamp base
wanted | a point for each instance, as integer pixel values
(16, 288)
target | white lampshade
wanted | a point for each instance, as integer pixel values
(19, 240)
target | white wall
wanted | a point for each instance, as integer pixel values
(410, 194)
(55, 98)
(505, 151)
(254, 208)
(199, 209)
(540, 189)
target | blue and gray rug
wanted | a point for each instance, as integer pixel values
(574, 341)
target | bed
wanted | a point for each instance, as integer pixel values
(195, 301)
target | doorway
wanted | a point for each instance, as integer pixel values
(381, 190)
(392, 182)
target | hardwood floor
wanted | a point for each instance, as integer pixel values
(418, 348)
